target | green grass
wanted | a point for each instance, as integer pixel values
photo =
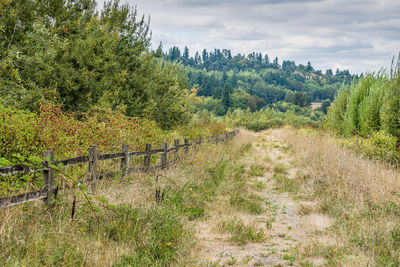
(241, 234)
(256, 170)
(247, 203)
(285, 184)
(259, 186)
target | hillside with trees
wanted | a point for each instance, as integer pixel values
(227, 81)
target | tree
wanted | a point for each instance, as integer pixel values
(159, 51)
(224, 77)
(309, 67)
(185, 55)
(276, 63)
(226, 97)
(266, 59)
(325, 105)
(204, 56)
(197, 58)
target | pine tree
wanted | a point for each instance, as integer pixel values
(226, 96)
(185, 55)
(159, 51)
(197, 58)
(309, 67)
(266, 59)
(204, 56)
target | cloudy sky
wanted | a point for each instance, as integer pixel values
(359, 35)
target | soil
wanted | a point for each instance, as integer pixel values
(289, 229)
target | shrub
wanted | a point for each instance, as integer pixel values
(20, 132)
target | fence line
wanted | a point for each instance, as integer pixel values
(47, 191)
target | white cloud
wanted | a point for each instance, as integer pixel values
(360, 35)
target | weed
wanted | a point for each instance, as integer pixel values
(256, 170)
(280, 169)
(246, 204)
(240, 233)
(285, 184)
(259, 186)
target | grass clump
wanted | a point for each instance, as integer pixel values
(256, 170)
(285, 184)
(247, 203)
(280, 169)
(259, 186)
(241, 234)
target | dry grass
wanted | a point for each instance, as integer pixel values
(129, 227)
(346, 174)
(362, 195)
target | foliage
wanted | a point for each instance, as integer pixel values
(19, 133)
(277, 115)
(255, 81)
(130, 230)
(67, 52)
(370, 109)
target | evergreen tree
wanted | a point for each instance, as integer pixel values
(276, 63)
(226, 97)
(159, 52)
(266, 59)
(224, 77)
(204, 56)
(185, 55)
(197, 58)
(309, 67)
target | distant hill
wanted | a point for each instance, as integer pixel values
(254, 81)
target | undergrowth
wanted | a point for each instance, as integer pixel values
(124, 224)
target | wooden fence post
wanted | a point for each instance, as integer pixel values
(93, 167)
(164, 147)
(176, 144)
(186, 142)
(147, 158)
(195, 143)
(125, 160)
(216, 139)
(48, 175)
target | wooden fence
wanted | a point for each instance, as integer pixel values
(93, 158)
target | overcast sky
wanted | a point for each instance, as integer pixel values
(359, 35)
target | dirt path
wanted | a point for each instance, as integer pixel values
(288, 224)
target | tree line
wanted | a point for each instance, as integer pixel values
(254, 81)
(70, 53)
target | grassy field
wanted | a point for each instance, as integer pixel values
(276, 198)
(362, 196)
(124, 224)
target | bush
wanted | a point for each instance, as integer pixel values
(370, 109)
(20, 132)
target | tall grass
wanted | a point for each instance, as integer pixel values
(362, 195)
(125, 225)
(370, 108)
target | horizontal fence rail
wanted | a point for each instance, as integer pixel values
(93, 158)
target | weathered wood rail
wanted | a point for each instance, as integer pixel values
(46, 193)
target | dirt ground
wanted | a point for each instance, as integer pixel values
(288, 223)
